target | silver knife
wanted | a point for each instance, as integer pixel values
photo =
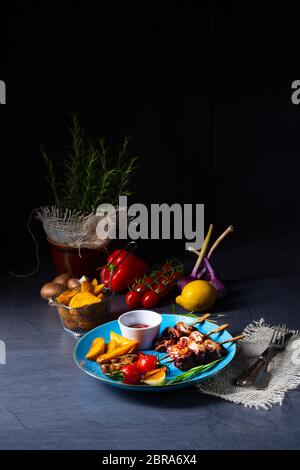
(247, 378)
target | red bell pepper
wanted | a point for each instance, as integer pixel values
(124, 271)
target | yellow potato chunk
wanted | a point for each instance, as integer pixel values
(97, 348)
(94, 284)
(118, 352)
(98, 289)
(111, 345)
(86, 286)
(65, 297)
(82, 299)
(120, 340)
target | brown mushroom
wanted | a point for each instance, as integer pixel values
(73, 283)
(62, 279)
(50, 289)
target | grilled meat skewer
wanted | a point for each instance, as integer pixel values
(174, 333)
(196, 349)
(162, 344)
(181, 329)
(194, 354)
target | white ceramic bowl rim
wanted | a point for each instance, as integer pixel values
(131, 314)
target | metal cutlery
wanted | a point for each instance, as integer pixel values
(258, 375)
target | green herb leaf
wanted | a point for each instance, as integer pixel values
(90, 174)
(190, 373)
(190, 315)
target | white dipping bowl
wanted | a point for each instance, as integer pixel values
(144, 336)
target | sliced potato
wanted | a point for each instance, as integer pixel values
(94, 284)
(120, 340)
(98, 289)
(111, 345)
(86, 286)
(97, 348)
(82, 299)
(96, 340)
(133, 348)
(65, 297)
(117, 352)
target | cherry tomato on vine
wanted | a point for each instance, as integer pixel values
(166, 267)
(162, 279)
(171, 284)
(161, 290)
(139, 287)
(176, 275)
(146, 362)
(150, 299)
(132, 374)
(133, 299)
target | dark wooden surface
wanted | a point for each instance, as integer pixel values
(46, 402)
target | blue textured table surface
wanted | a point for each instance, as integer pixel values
(46, 402)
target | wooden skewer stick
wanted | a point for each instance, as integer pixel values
(216, 330)
(231, 340)
(218, 241)
(164, 357)
(200, 319)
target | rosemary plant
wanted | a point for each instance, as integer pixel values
(89, 174)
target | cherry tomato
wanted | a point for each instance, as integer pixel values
(176, 275)
(148, 280)
(150, 299)
(146, 362)
(132, 374)
(133, 299)
(166, 267)
(156, 274)
(162, 279)
(170, 284)
(161, 290)
(139, 287)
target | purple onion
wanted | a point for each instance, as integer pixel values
(207, 273)
(184, 280)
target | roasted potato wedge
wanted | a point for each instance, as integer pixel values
(96, 350)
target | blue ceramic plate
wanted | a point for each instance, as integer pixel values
(94, 369)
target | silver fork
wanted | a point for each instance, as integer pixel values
(263, 377)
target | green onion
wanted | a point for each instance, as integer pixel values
(190, 373)
(190, 314)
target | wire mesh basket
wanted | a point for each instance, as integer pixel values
(79, 321)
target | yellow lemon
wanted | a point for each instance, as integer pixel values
(197, 296)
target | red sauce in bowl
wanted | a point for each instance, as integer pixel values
(138, 325)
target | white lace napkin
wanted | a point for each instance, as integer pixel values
(284, 367)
